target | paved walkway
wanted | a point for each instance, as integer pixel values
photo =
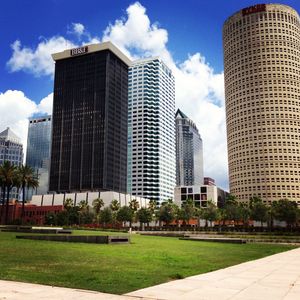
(11, 290)
(271, 278)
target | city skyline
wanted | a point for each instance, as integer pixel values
(190, 43)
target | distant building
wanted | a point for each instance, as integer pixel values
(200, 194)
(209, 181)
(189, 152)
(89, 120)
(151, 130)
(11, 149)
(38, 152)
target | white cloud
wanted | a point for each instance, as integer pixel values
(16, 108)
(37, 61)
(78, 29)
(199, 90)
(45, 106)
(136, 36)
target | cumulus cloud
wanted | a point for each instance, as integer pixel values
(37, 61)
(199, 90)
(78, 29)
(16, 108)
(136, 36)
(45, 106)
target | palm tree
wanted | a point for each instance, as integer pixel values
(134, 205)
(152, 206)
(8, 178)
(115, 205)
(97, 205)
(68, 204)
(26, 179)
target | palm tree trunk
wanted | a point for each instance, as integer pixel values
(7, 205)
(23, 203)
(3, 203)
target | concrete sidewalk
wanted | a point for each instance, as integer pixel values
(11, 290)
(271, 278)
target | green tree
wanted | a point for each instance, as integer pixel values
(188, 211)
(209, 213)
(115, 205)
(167, 212)
(97, 205)
(244, 213)
(8, 177)
(50, 219)
(106, 216)
(68, 204)
(144, 216)
(152, 206)
(258, 210)
(83, 210)
(62, 218)
(125, 214)
(285, 210)
(134, 205)
(27, 180)
(231, 210)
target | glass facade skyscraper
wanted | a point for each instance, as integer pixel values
(11, 149)
(89, 121)
(38, 151)
(151, 130)
(189, 152)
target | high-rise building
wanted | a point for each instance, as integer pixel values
(151, 130)
(189, 152)
(38, 152)
(11, 149)
(89, 121)
(262, 75)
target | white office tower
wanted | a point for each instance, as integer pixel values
(151, 130)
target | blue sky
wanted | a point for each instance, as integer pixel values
(187, 34)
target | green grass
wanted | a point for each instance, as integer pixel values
(119, 269)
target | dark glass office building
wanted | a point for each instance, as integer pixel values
(89, 127)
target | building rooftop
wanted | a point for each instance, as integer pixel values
(86, 49)
(9, 135)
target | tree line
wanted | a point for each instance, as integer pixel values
(20, 177)
(171, 214)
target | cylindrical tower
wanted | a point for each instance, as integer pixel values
(262, 78)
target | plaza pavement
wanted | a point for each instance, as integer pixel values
(270, 278)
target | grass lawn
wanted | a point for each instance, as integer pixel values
(119, 269)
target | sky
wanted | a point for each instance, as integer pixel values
(186, 34)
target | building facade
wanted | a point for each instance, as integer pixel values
(262, 77)
(189, 152)
(11, 149)
(89, 121)
(151, 130)
(200, 194)
(38, 152)
(88, 197)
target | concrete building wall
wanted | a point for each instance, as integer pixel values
(107, 197)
